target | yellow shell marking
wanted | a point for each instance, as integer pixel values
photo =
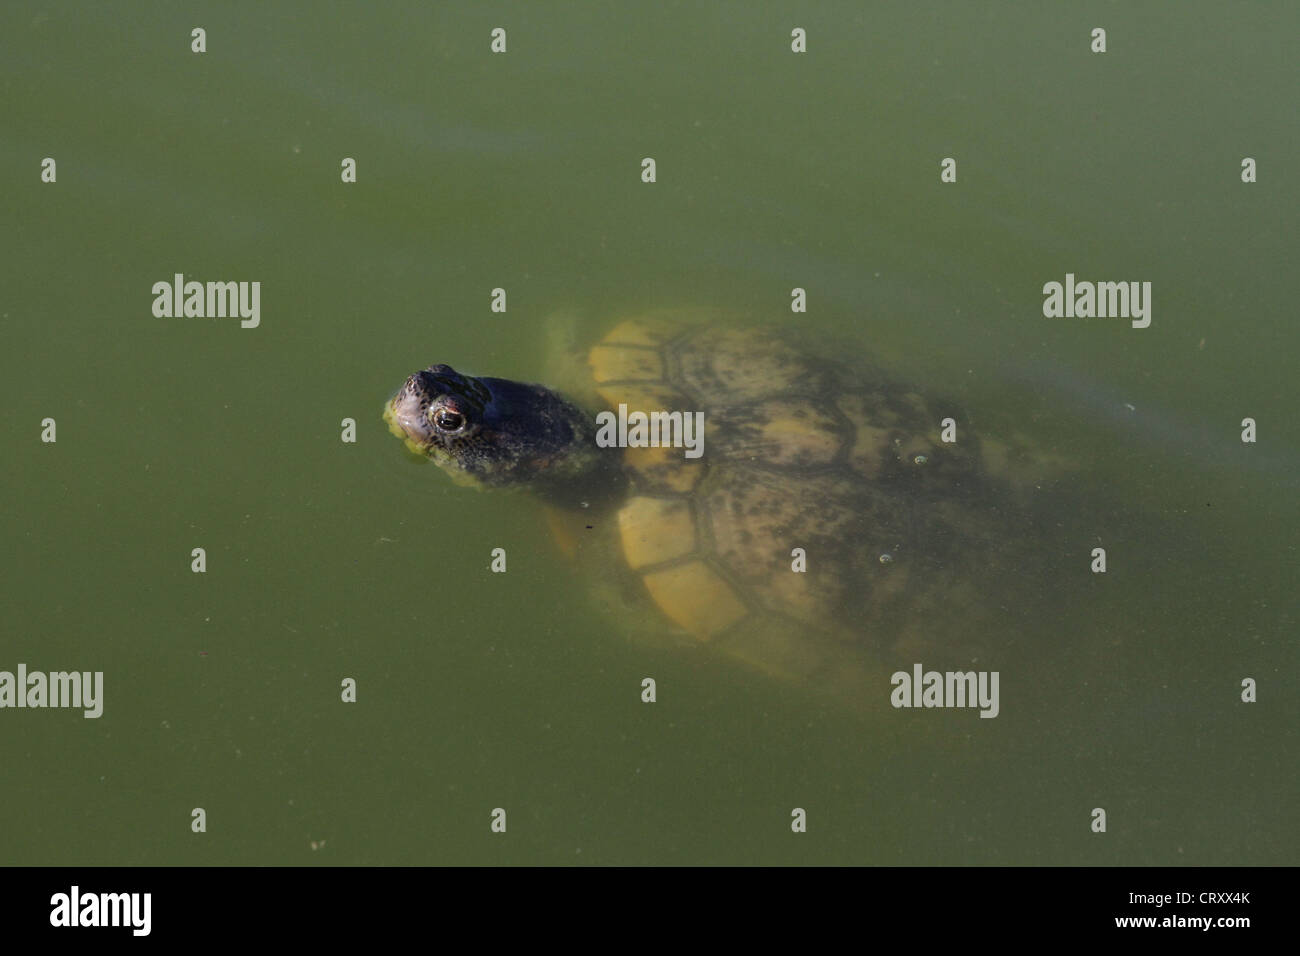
(665, 469)
(641, 398)
(795, 432)
(870, 442)
(696, 598)
(614, 364)
(655, 530)
(641, 332)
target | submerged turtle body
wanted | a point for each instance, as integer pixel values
(806, 461)
(825, 520)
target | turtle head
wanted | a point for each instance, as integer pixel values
(491, 432)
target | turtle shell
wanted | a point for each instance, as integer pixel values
(806, 461)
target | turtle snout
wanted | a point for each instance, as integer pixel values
(409, 410)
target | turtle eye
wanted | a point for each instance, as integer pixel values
(448, 420)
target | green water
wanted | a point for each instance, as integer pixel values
(328, 560)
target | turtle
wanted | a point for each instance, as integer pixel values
(829, 531)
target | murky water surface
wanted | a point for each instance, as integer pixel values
(328, 560)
